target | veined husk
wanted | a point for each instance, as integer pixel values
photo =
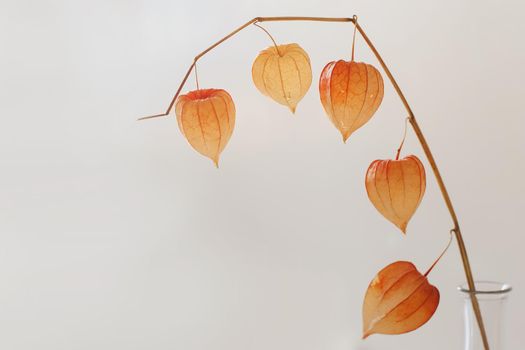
(283, 73)
(206, 118)
(396, 187)
(398, 300)
(351, 93)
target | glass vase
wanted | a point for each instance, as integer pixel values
(492, 298)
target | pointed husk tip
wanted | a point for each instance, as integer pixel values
(216, 162)
(345, 135)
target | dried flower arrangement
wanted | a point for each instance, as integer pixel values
(399, 299)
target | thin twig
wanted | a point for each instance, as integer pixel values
(440, 255)
(403, 140)
(353, 38)
(196, 77)
(271, 37)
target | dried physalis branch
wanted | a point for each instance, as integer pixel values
(283, 73)
(396, 187)
(399, 299)
(206, 118)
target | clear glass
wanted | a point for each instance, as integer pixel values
(492, 298)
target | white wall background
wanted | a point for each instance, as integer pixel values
(115, 234)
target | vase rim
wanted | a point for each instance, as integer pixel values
(486, 287)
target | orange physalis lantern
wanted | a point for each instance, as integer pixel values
(396, 187)
(283, 73)
(206, 118)
(398, 300)
(350, 93)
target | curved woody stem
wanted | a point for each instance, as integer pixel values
(411, 118)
